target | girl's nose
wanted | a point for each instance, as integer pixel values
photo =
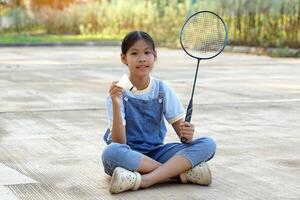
(142, 58)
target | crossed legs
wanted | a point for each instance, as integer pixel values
(172, 165)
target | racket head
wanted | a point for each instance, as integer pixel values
(204, 35)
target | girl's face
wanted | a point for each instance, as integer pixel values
(140, 58)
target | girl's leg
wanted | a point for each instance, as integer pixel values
(172, 168)
(183, 156)
(147, 165)
(121, 155)
(178, 159)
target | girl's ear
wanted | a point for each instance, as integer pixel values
(155, 55)
(123, 58)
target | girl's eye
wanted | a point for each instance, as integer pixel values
(133, 53)
(148, 52)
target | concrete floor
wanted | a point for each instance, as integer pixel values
(52, 116)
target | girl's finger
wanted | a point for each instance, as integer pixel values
(187, 129)
(187, 124)
(115, 90)
(113, 85)
(187, 133)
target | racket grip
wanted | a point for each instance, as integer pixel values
(188, 118)
(189, 112)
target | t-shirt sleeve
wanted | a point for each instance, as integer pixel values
(173, 108)
(110, 112)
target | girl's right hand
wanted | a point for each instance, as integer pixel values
(115, 92)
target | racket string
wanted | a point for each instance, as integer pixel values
(204, 35)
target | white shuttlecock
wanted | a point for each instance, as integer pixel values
(125, 83)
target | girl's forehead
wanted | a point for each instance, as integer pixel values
(141, 44)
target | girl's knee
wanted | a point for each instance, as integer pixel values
(210, 145)
(112, 155)
(119, 155)
(113, 151)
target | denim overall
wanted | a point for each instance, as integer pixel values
(145, 126)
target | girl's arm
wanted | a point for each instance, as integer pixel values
(118, 129)
(184, 129)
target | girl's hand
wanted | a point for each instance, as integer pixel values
(187, 130)
(115, 92)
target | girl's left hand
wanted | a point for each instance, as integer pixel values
(187, 130)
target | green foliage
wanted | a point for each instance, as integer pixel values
(118, 18)
(264, 23)
(21, 20)
(42, 38)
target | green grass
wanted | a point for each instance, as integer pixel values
(13, 38)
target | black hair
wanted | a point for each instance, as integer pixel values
(134, 36)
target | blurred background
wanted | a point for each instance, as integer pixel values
(255, 23)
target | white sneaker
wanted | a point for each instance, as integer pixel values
(199, 175)
(123, 179)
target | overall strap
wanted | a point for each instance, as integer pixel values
(107, 136)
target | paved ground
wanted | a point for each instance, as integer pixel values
(52, 116)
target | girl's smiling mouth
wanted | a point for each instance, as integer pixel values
(142, 66)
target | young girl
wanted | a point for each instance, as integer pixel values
(136, 156)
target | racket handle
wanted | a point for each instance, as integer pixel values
(188, 118)
(189, 111)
